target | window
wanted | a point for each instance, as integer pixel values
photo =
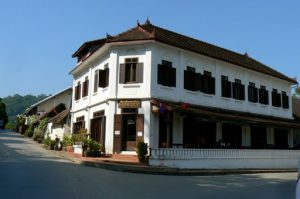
(238, 90)
(96, 80)
(104, 77)
(85, 87)
(77, 91)
(263, 95)
(226, 86)
(166, 74)
(285, 100)
(252, 93)
(131, 71)
(79, 124)
(191, 79)
(276, 98)
(207, 83)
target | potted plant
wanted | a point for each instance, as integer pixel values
(142, 151)
(79, 139)
(93, 149)
(67, 143)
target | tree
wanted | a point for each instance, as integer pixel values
(3, 114)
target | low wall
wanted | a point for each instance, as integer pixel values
(225, 158)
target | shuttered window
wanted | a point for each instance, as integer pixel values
(131, 71)
(252, 93)
(207, 84)
(104, 78)
(285, 100)
(78, 91)
(263, 95)
(85, 87)
(276, 98)
(226, 87)
(166, 74)
(238, 90)
(190, 79)
(96, 80)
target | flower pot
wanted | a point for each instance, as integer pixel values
(69, 148)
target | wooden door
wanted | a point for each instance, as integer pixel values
(117, 133)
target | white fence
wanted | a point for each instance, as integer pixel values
(224, 158)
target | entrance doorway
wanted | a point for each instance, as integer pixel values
(258, 137)
(129, 133)
(281, 139)
(98, 130)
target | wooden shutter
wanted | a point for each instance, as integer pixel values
(140, 127)
(255, 95)
(96, 80)
(117, 133)
(173, 77)
(273, 99)
(186, 80)
(212, 85)
(103, 127)
(242, 92)
(160, 73)
(102, 78)
(139, 72)
(197, 81)
(106, 77)
(122, 74)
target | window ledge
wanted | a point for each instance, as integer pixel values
(191, 92)
(285, 109)
(253, 103)
(95, 93)
(167, 88)
(104, 89)
(208, 95)
(263, 106)
(275, 108)
(226, 98)
(85, 97)
(132, 85)
(239, 101)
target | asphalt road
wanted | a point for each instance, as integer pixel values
(29, 171)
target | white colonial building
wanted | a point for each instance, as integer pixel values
(196, 105)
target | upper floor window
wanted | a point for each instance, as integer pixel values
(96, 80)
(263, 95)
(191, 79)
(207, 83)
(276, 98)
(104, 77)
(226, 86)
(238, 90)
(166, 74)
(285, 100)
(78, 91)
(85, 87)
(131, 71)
(252, 93)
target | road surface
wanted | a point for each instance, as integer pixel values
(29, 171)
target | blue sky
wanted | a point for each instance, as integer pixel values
(38, 37)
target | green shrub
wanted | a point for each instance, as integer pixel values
(67, 141)
(10, 126)
(142, 151)
(80, 136)
(29, 131)
(92, 148)
(37, 133)
(47, 141)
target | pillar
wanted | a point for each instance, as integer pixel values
(218, 131)
(270, 136)
(246, 136)
(290, 138)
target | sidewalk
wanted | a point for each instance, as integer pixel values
(129, 163)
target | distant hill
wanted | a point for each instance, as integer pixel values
(17, 104)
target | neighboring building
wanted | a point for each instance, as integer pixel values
(57, 108)
(185, 98)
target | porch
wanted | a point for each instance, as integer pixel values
(185, 158)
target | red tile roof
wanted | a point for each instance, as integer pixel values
(148, 31)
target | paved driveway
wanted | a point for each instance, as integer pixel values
(29, 171)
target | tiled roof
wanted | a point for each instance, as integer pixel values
(59, 118)
(148, 31)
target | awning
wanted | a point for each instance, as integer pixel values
(59, 118)
(217, 114)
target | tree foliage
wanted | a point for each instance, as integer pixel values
(3, 114)
(17, 104)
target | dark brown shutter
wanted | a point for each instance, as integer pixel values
(197, 81)
(160, 73)
(255, 95)
(87, 88)
(106, 77)
(96, 80)
(102, 137)
(173, 77)
(102, 78)
(122, 74)
(140, 72)
(140, 127)
(212, 88)
(79, 91)
(185, 80)
(242, 90)
(117, 137)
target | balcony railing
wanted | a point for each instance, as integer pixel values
(188, 154)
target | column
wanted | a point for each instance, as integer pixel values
(246, 136)
(218, 131)
(290, 138)
(270, 136)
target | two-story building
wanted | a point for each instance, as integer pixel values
(197, 105)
